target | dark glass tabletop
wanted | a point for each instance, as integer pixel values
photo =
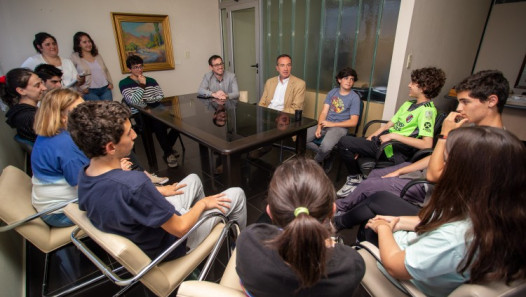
(227, 127)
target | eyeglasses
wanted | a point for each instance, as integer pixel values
(135, 67)
(219, 64)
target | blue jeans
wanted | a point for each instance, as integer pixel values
(57, 220)
(98, 94)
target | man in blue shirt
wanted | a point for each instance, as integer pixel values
(219, 83)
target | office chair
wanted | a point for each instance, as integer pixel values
(367, 164)
(377, 284)
(18, 213)
(162, 278)
(229, 286)
(27, 147)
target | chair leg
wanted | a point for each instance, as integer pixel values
(224, 235)
(69, 290)
(182, 146)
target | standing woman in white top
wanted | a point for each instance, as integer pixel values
(47, 48)
(98, 83)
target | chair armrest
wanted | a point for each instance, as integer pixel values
(384, 145)
(206, 289)
(375, 277)
(370, 123)
(125, 282)
(413, 183)
(37, 215)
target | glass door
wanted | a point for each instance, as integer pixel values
(240, 28)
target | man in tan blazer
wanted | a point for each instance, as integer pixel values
(284, 92)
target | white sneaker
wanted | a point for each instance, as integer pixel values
(156, 179)
(171, 160)
(352, 182)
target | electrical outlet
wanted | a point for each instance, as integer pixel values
(409, 60)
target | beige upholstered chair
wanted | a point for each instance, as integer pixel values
(377, 284)
(18, 213)
(160, 277)
(229, 286)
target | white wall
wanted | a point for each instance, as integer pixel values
(194, 26)
(504, 45)
(195, 29)
(445, 34)
(504, 48)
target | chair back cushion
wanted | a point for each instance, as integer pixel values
(230, 278)
(15, 205)
(516, 289)
(163, 278)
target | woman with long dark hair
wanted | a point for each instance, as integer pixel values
(297, 255)
(21, 89)
(468, 230)
(97, 84)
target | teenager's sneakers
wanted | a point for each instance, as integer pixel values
(171, 160)
(156, 179)
(352, 182)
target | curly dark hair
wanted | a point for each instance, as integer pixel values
(76, 44)
(93, 124)
(485, 83)
(430, 80)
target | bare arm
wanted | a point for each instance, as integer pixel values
(418, 165)
(351, 122)
(321, 118)
(437, 162)
(180, 225)
(423, 143)
(393, 258)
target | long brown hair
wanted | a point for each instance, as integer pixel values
(302, 183)
(484, 181)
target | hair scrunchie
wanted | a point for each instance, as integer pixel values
(301, 209)
(2, 79)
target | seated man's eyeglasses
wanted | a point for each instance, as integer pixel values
(137, 67)
(218, 64)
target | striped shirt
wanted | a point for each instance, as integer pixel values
(134, 95)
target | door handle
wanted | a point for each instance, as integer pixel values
(255, 65)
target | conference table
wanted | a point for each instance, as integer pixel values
(225, 128)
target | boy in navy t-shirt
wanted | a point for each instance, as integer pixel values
(126, 202)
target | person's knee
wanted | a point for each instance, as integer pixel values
(192, 180)
(236, 195)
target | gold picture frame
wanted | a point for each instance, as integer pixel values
(145, 35)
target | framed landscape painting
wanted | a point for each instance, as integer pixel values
(144, 35)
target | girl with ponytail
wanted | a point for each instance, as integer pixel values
(296, 256)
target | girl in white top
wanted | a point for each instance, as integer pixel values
(97, 84)
(47, 48)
